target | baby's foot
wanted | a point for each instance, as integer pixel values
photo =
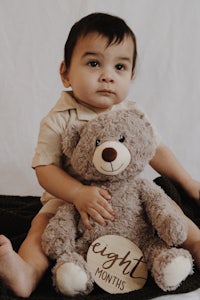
(195, 251)
(14, 271)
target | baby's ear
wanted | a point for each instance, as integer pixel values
(64, 75)
(70, 138)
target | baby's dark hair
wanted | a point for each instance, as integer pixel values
(111, 27)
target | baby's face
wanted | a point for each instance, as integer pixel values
(100, 75)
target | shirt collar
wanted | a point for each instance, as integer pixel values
(68, 102)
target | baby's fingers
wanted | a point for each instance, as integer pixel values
(105, 204)
(96, 216)
(85, 220)
(104, 193)
(104, 210)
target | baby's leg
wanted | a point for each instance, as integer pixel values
(21, 272)
(193, 238)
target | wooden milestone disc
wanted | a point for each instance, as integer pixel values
(117, 264)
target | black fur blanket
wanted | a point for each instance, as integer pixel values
(17, 212)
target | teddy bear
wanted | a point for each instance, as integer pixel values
(111, 151)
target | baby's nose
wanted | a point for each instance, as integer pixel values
(107, 76)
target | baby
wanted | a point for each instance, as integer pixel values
(98, 66)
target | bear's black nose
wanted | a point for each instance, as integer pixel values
(109, 154)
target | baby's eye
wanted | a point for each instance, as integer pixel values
(97, 142)
(93, 63)
(120, 67)
(121, 138)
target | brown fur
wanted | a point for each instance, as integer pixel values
(143, 212)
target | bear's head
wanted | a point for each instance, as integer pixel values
(113, 146)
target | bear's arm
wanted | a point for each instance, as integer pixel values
(61, 231)
(165, 218)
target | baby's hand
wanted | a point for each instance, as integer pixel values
(93, 201)
(193, 189)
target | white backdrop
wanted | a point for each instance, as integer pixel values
(167, 82)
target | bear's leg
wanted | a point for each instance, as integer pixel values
(71, 275)
(171, 267)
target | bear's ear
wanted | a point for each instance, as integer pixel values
(71, 137)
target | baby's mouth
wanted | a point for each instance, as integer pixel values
(106, 92)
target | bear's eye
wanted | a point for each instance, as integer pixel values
(97, 142)
(121, 138)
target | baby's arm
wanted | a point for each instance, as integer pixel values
(165, 163)
(89, 200)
